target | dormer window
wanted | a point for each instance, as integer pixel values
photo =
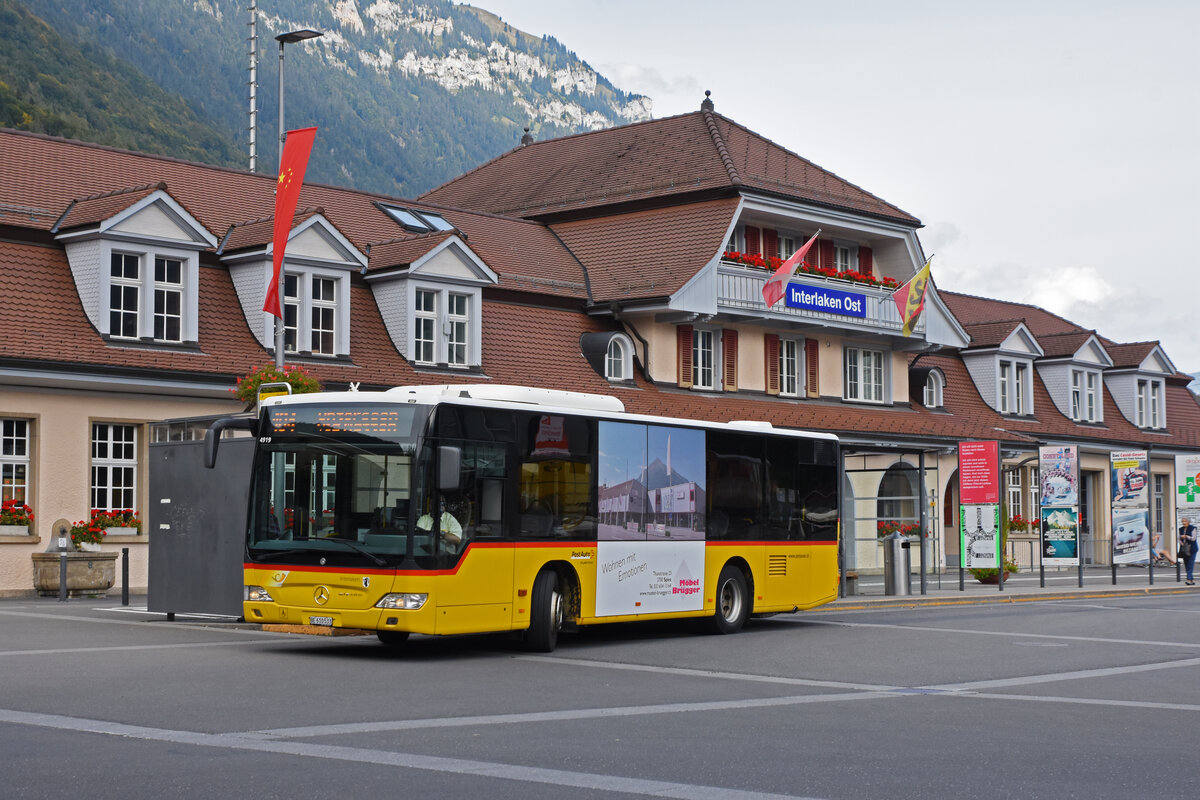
(144, 304)
(1085, 396)
(615, 360)
(935, 384)
(1014, 388)
(439, 308)
(1150, 411)
(310, 312)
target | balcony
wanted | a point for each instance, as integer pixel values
(852, 305)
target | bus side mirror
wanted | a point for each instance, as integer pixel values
(449, 468)
(212, 438)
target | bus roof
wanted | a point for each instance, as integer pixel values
(527, 398)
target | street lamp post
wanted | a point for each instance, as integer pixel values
(285, 39)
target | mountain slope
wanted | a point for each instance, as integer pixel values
(405, 94)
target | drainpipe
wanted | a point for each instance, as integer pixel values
(616, 312)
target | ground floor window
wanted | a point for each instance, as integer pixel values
(14, 460)
(114, 466)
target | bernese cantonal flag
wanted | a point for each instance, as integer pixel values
(776, 285)
(296, 148)
(910, 298)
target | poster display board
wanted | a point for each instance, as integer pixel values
(648, 577)
(1187, 489)
(979, 513)
(1058, 476)
(1130, 485)
(979, 531)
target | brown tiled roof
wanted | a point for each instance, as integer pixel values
(44, 175)
(1130, 354)
(403, 251)
(1057, 345)
(648, 253)
(971, 310)
(97, 208)
(696, 152)
(990, 334)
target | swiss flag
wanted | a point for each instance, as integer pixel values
(776, 285)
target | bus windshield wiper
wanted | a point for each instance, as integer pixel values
(379, 562)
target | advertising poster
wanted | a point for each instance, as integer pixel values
(1187, 485)
(652, 482)
(1060, 537)
(1130, 479)
(1131, 535)
(979, 472)
(979, 535)
(1058, 471)
(649, 577)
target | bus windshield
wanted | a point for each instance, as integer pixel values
(333, 485)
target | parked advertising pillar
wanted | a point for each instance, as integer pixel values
(979, 509)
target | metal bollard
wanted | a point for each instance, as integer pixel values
(124, 576)
(897, 574)
(62, 576)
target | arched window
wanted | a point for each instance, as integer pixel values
(935, 383)
(614, 360)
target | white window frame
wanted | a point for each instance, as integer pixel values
(1149, 409)
(164, 291)
(1014, 495)
(706, 359)
(458, 330)
(425, 326)
(1013, 388)
(124, 287)
(148, 289)
(787, 246)
(114, 466)
(844, 257)
(324, 310)
(934, 392)
(864, 374)
(456, 325)
(15, 446)
(1085, 404)
(791, 368)
(304, 301)
(618, 359)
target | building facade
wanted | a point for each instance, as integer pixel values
(629, 262)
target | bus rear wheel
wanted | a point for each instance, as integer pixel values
(733, 601)
(545, 613)
(392, 638)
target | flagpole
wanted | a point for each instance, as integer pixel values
(888, 296)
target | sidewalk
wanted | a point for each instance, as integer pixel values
(1021, 587)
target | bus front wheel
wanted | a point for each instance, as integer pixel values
(733, 601)
(545, 614)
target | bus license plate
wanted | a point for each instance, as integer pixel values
(326, 621)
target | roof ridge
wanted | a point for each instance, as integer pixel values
(722, 148)
(160, 186)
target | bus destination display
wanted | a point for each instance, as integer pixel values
(374, 421)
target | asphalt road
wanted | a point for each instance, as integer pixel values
(1082, 698)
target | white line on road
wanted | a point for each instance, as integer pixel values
(456, 766)
(1004, 634)
(1074, 675)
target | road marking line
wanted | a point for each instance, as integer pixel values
(1006, 634)
(701, 673)
(1086, 701)
(309, 731)
(1103, 672)
(457, 766)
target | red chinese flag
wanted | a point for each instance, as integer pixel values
(776, 285)
(296, 148)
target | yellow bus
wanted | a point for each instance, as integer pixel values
(459, 509)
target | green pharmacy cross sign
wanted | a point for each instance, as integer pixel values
(1189, 489)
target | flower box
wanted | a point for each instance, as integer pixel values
(122, 532)
(14, 530)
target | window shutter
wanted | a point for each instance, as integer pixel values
(866, 262)
(729, 354)
(683, 338)
(770, 243)
(771, 351)
(811, 350)
(753, 243)
(826, 249)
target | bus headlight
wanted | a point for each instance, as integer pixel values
(407, 601)
(256, 594)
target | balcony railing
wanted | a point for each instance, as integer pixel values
(852, 305)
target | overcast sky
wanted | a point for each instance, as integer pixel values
(1048, 147)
